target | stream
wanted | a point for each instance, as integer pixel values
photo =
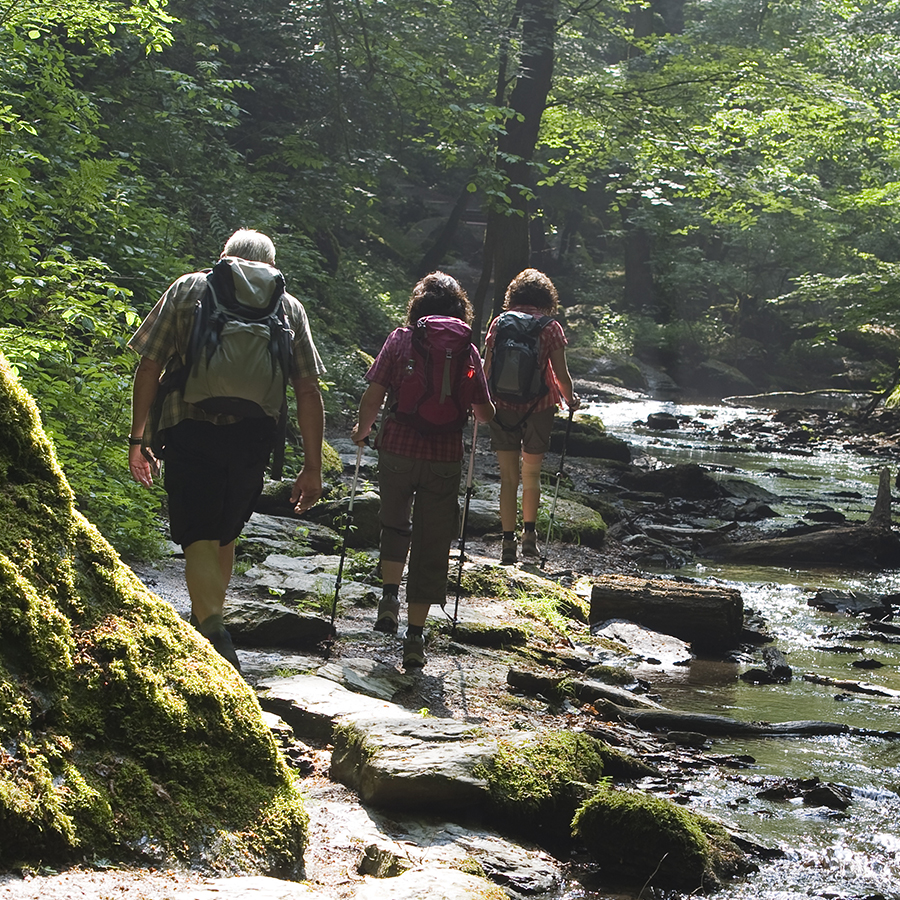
(827, 853)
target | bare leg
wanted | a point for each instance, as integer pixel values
(508, 461)
(531, 485)
(205, 573)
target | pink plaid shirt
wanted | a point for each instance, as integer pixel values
(395, 437)
(552, 338)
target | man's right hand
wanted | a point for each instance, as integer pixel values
(142, 464)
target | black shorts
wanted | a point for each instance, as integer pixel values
(214, 476)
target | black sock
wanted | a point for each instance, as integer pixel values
(415, 630)
(509, 535)
(390, 589)
(529, 526)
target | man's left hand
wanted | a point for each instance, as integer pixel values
(307, 490)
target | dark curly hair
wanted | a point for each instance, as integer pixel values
(438, 294)
(532, 288)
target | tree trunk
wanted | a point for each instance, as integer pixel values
(438, 250)
(709, 618)
(509, 225)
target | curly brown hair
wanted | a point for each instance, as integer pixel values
(532, 288)
(438, 294)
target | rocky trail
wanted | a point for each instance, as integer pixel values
(390, 761)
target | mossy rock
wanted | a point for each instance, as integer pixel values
(574, 523)
(588, 438)
(652, 841)
(123, 733)
(485, 634)
(536, 784)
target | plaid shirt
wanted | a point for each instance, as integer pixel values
(164, 336)
(552, 338)
(388, 371)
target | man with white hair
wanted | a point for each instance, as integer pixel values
(215, 461)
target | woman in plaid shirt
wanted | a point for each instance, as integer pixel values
(416, 465)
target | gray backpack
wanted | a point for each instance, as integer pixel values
(239, 357)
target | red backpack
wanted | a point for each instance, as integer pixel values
(439, 383)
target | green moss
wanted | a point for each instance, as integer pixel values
(536, 784)
(332, 467)
(484, 634)
(485, 581)
(119, 726)
(654, 841)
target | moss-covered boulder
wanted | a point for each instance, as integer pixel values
(122, 733)
(537, 782)
(588, 438)
(652, 841)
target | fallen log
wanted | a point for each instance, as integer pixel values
(704, 723)
(584, 690)
(710, 618)
(871, 546)
(856, 687)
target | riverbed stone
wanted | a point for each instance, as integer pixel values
(434, 883)
(709, 617)
(366, 527)
(411, 762)
(263, 623)
(311, 579)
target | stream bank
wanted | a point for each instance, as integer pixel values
(467, 684)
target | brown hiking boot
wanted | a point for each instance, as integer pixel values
(508, 554)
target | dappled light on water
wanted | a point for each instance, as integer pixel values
(853, 852)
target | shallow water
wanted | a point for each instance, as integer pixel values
(827, 853)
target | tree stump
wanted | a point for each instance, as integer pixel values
(709, 617)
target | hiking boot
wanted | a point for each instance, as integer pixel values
(224, 647)
(508, 553)
(388, 614)
(529, 544)
(215, 632)
(414, 652)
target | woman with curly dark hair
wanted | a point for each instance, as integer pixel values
(521, 432)
(417, 464)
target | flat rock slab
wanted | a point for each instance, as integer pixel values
(366, 676)
(306, 578)
(310, 704)
(432, 883)
(652, 647)
(411, 762)
(264, 623)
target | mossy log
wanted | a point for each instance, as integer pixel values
(708, 617)
(122, 732)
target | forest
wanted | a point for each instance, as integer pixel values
(705, 180)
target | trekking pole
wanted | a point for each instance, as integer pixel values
(559, 474)
(347, 524)
(465, 521)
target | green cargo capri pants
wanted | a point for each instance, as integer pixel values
(419, 516)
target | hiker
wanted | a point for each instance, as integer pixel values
(214, 462)
(418, 459)
(522, 426)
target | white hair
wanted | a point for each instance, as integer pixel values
(246, 243)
